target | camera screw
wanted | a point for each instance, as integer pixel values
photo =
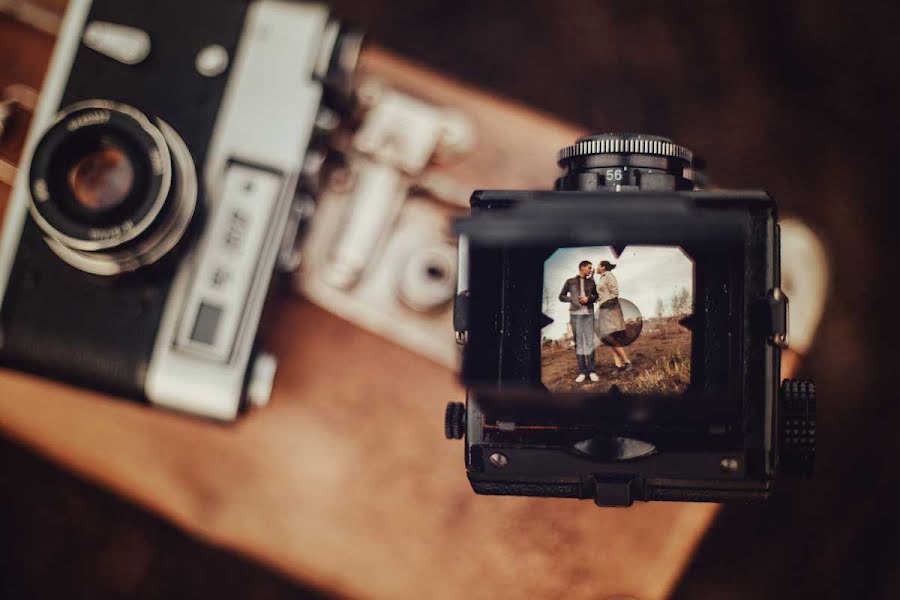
(455, 421)
(729, 464)
(498, 459)
(327, 120)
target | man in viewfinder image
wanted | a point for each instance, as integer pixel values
(580, 292)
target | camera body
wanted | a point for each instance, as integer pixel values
(155, 193)
(694, 408)
(380, 250)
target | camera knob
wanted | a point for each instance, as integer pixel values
(623, 162)
(797, 438)
(625, 143)
(455, 421)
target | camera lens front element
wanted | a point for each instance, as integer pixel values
(111, 190)
(624, 162)
(102, 178)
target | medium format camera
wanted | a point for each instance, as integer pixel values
(158, 191)
(623, 335)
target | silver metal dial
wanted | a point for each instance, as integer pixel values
(613, 143)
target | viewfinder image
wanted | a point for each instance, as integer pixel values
(617, 320)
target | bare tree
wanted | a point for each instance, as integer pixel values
(661, 313)
(681, 302)
(686, 302)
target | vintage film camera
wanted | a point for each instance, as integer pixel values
(171, 147)
(366, 234)
(693, 408)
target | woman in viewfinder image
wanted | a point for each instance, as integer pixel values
(609, 322)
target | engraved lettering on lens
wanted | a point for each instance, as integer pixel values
(40, 190)
(156, 161)
(111, 232)
(98, 117)
(103, 234)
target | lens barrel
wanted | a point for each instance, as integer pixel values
(624, 162)
(111, 191)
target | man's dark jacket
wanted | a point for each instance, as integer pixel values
(571, 292)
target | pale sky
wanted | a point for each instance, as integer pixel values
(644, 273)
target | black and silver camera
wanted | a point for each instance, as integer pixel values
(157, 191)
(623, 335)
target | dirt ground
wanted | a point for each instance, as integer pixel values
(661, 365)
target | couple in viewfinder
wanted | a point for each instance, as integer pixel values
(589, 327)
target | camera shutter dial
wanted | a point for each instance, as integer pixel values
(625, 143)
(624, 162)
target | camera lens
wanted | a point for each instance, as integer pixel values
(102, 178)
(111, 190)
(624, 162)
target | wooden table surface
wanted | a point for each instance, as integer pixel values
(345, 481)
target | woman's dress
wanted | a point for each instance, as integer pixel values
(609, 318)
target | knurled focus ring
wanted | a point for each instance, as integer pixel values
(624, 145)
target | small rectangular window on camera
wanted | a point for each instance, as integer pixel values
(204, 330)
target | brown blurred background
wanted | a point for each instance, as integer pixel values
(800, 98)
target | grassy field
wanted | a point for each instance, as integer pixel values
(661, 359)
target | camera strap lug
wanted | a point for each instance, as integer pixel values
(303, 208)
(461, 316)
(289, 252)
(778, 317)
